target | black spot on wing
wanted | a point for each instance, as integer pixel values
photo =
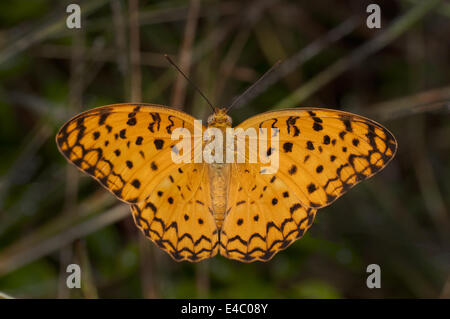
(132, 121)
(156, 121)
(103, 117)
(136, 183)
(311, 188)
(292, 170)
(317, 127)
(158, 143)
(287, 147)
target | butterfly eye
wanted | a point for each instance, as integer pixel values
(228, 120)
(211, 119)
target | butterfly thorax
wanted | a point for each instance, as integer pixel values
(219, 173)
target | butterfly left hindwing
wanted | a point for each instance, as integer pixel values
(177, 215)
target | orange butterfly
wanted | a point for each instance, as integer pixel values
(195, 210)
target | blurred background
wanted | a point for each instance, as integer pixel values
(51, 215)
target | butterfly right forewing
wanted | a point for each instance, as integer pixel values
(323, 153)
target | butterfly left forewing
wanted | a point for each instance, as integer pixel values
(126, 147)
(323, 153)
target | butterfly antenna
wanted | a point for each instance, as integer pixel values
(248, 91)
(189, 80)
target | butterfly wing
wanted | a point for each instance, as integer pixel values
(323, 153)
(264, 216)
(126, 147)
(177, 215)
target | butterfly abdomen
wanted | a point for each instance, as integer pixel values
(219, 180)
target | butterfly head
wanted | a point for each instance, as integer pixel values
(219, 118)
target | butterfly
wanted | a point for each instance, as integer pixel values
(194, 211)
